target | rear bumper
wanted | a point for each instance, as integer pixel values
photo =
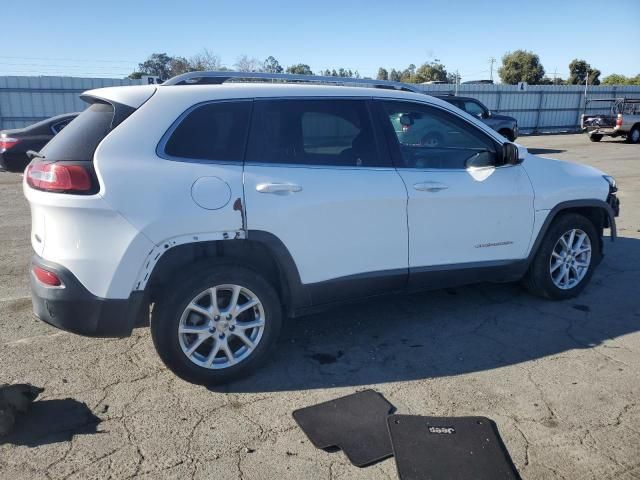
(74, 309)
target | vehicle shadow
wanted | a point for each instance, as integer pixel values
(451, 332)
(544, 151)
(52, 421)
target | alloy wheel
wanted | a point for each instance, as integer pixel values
(221, 326)
(570, 259)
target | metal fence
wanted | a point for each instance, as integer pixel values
(538, 109)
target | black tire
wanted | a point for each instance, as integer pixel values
(595, 137)
(538, 278)
(508, 134)
(168, 310)
(634, 135)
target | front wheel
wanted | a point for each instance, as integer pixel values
(566, 258)
(216, 324)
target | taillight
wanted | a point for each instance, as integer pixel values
(54, 177)
(7, 142)
(619, 120)
(45, 276)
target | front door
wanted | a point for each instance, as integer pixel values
(462, 209)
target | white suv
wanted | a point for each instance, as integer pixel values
(220, 208)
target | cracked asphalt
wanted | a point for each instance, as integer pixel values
(561, 379)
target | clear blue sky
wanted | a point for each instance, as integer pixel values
(109, 38)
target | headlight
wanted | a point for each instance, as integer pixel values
(613, 186)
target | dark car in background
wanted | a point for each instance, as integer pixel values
(503, 124)
(15, 143)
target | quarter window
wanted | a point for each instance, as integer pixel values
(213, 131)
(313, 132)
(433, 139)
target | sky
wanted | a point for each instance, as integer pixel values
(109, 38)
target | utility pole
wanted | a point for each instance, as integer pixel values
(492, 60)
(457, 81)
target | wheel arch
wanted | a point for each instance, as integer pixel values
(261, 251)
(597, 211)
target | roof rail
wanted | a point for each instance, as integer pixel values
(216, 78)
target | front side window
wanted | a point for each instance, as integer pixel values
(433, 139)
(473, 108)
(212, 131)
(330, 132)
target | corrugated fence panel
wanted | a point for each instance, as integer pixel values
(540, 108)
(26, 100)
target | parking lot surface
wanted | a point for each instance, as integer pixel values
(560, 379)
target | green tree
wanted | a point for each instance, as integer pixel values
(271, 65)
(453, 77)
(408, 74)
(395, 75)
(158, 65)
(521, 66)
(578, 71)
(617, 79)
(428, 72)
(300, 69)
(382, 74)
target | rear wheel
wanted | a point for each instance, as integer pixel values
(217, 324)
(595, 137)
(634, 135)
(566, 258)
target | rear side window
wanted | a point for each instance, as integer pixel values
(323, 132)
(79, 139)
(213, 131)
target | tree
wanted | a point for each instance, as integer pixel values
(408, 74)
(382, 74)
(158, 65)
(300, 69)
(271, 65)
(453, 77)
(205, 61)
(246, 64)
(617, 79)
(178, 66)
(521, 66)
(394, 75)
(428, 72)
(578, 71)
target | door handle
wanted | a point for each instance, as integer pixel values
(278, 188)
(430, 186)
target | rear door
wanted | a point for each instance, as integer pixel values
(315, 178)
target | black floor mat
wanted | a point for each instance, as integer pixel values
(454, 448)
(357, 424)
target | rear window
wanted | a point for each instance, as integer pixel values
(213, 131)
(79, 139)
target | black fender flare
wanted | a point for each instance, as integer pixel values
(562, 206)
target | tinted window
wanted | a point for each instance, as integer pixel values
(473, 108)
(56, 127)
(312, 132)
(80, 138)
(431, 138)
(213, 131)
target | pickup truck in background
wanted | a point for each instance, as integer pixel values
(623, 120)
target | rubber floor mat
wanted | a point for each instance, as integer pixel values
(357, 424)
(454, 448)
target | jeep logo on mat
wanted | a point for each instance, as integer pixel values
(447, 430)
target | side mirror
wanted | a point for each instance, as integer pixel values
(511, 154)
(486, 114)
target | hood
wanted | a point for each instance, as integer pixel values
(505, 118)
(556, 181)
